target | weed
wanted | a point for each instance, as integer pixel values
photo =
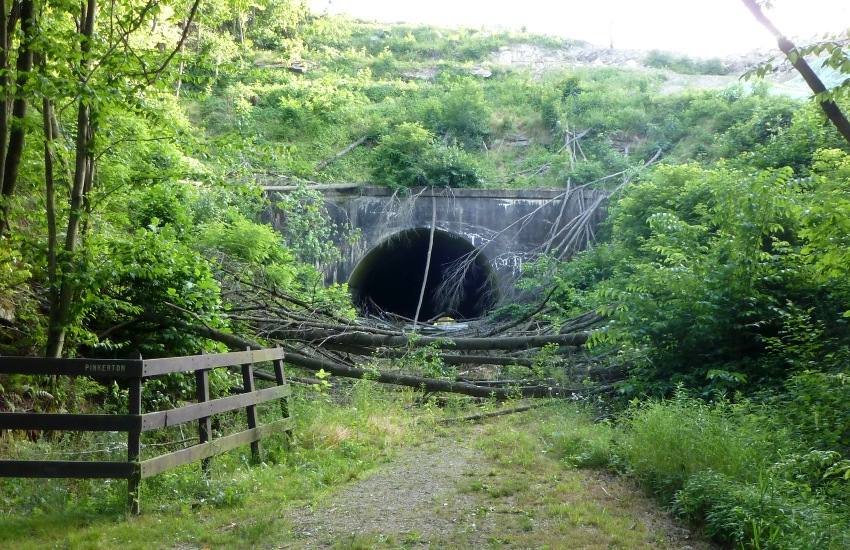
(582, 444)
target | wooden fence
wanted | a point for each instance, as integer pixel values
(135, 372)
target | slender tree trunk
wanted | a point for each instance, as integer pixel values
(50, 202)
(4, 84)
(88, 182)
(61, 311)
(8, 21)
(427, 258)
(17, 130)
(832, 111)
(179, 84)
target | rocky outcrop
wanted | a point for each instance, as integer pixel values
(583, 54)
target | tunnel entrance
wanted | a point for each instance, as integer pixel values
(389, 278)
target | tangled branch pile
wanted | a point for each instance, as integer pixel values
(458, 357)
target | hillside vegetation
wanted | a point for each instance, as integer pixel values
(132, 200)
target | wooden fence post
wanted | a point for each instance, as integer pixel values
(134, 447)
(280, 380)
(202, 393)
(251, 410)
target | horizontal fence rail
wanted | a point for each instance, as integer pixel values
(135, 372)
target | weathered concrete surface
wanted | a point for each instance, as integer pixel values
(509, 227)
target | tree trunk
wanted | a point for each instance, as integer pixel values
(50, 200)
(322, 165)
(444, 342)
(60, 311)
(17, 130)
(427, 259)
(426, 384)
(5, 84)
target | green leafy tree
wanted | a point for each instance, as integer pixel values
(400, 157)
(461, 113)
(104, 58)
(409, 157)
(826, 221)
(709, 270)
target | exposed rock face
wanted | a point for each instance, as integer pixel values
(584, 54)
(578, 54)
(7, 315)
(480, 70)
(539, 59)
(424, 73)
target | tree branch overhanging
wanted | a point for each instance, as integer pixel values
(787, 47)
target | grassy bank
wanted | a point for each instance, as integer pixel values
(516, 485)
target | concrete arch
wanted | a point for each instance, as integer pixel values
(389, 277)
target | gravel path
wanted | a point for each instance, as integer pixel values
(422, 498)
(399, 499)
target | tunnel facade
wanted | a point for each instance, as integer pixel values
(507, 228)
(460, 284)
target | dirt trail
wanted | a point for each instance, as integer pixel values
(443, 494)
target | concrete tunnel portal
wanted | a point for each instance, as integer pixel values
(389, 277)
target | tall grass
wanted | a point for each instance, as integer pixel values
(665, 443)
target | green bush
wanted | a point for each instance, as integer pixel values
(740, 471)
(461, 113)
(399, 157)
(761, 515)
(409, 157)
(817, 407)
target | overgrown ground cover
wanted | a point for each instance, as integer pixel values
(373, 467)
(515, 486)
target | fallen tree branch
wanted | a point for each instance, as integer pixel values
(491, 414)
(317, 186)
(337, 369)
(322, 165)
(323, 337)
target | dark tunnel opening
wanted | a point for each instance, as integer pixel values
(389, 278)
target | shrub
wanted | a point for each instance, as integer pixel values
(409, 157)
(451, 167)
(817, 405)
(760, 515)
(462, 113)
(399, 157)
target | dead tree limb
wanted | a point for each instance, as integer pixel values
(522, 319)
(317, 186)
(362, 339)
(425, 384)
(427, 260)
(322, 165)
(491, 414)
(337, 369)
(485, 360)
